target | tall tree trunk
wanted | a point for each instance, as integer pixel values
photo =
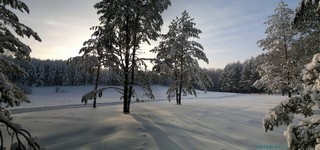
(126, 89)
(177, 93)
(180, 88)
(133, 65)
(288, 69)
(176, 78)
(177, 96)
(181, 77)
(125, 100)
(289, 88)
(126, 104)
(96, 84)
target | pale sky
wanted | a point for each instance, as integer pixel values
(230, 28)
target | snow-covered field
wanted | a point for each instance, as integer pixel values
(217, 121)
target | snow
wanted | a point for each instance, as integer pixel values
(209, 121)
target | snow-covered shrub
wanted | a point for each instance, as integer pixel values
(305, 135)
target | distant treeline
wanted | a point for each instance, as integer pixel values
(56, 73)
(235, 77)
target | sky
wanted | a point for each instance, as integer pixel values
(230, 28)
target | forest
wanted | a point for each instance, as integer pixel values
(60, 73)
(111, 59)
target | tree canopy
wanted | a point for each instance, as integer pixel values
(124, 25)
(177, 57)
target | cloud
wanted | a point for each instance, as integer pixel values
(230, 27)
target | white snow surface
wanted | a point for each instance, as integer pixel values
(217, 121)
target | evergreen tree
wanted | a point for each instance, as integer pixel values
(278, 43)
(305, 6)
(178, 57)
(10, 94)
(90, 62)
(124, 25)
(39, 78)
(304, 135)
(97, 52)
(231, 77)
(248, 76)
(307, 23)
(215, 75)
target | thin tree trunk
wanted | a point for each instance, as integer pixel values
(287, 63)
(133, 65)
(288, 72)
(180, 88)
(181, 77)
(177, 91)
(96, 84)
(177, 96)
(177, 84)
(180, 91)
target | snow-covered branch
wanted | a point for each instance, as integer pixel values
(283, 114)
(17, 133)
(97, 93)
(10, 94)
(306, 134)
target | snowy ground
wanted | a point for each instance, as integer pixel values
(218, 121)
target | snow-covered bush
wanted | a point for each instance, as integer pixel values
(305, 135)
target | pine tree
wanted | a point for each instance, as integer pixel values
(305, 135)
(10, 94)
(278, 43)
(307, 23)
(215, 75)
(124, 25)
(90, 62)
(177, 56)
(231, 77)
(248, 76)
(305, 6)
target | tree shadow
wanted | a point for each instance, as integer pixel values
(159, 135)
